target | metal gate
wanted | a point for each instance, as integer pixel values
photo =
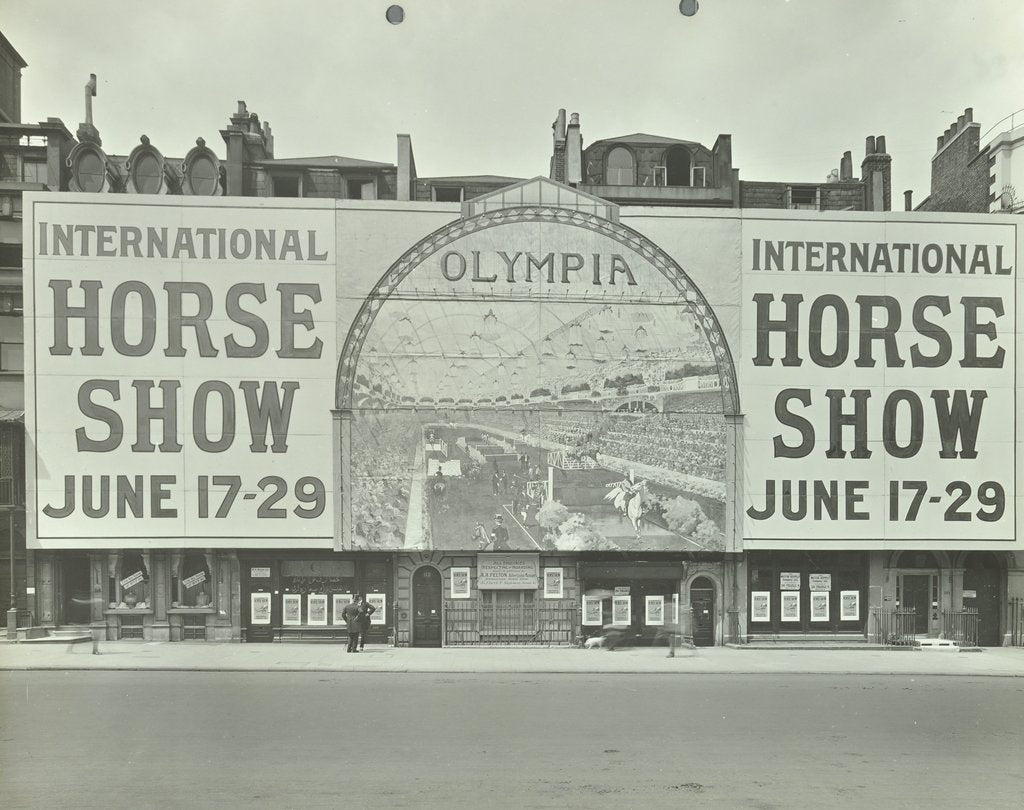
(551, 622)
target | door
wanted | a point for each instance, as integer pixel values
(259, 594)
(702, 603)
(916, 596)
(985, 583)
(75, 595)
(426, 607)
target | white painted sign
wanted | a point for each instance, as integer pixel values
(183, 359)
(819, 582)
(132, 579)
(507, 571)
(195, 579)
(884, 355)
(789, 581)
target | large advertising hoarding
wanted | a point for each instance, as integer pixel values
(535, 381)
(878, 381)
(180, 369)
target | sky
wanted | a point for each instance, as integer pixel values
(477, 83)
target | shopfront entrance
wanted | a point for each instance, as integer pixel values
(426, 607)
(74, 594)
(702, 604)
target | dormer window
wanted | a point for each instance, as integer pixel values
(620, 168)
(802, 197)
(677, 165)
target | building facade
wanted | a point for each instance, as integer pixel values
(639, 394)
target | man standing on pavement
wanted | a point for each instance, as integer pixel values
(366, 610)
(351, 614)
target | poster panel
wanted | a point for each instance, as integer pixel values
(338, 602)
(622, 610)
(790, 606)
(849, 602)
(460, 583)
(183, 359)
(259, 608)
(552, 583)
(291, 608)
(316, 608)
(592, 611)
(654, 613)
(884, 352)
(379, 601)
(508, 571)
(789, 581)
(819, 606)
(760, 606)
(819, 582)
(497, 337)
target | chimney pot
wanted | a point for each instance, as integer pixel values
(908, 205)
(869, 145)
(939, 142)
(880, 144)
(574, 120)
(241, 107)
(960, 122)
(969, 115)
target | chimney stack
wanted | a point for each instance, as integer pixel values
(573, 151)
(557, 169)
(908, 204)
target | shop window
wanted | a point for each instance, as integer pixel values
(330, 578)
(193, 588)
(620, 169)
(130, 586)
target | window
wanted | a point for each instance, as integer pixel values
(699, 177)
(34, 171)
(287, 186)
(129, 585)
(447, 193)
(329, 578)
(361, 189)
(803, 197)
(12, 331)
(194, 587)
(508, 613)
(619, 167)
(677, 162)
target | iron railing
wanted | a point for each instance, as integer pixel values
(1015, 621)
(961, 626)
(894, 628)
(549, 622)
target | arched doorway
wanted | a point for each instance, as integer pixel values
(982, 591)
(702, 603)
(677, 167)
(426, 607)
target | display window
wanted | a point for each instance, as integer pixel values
(806, 591)
(192, 582)
(128, 582)
(314, 592)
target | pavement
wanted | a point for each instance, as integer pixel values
(1007, 662)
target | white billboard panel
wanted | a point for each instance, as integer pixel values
(182, 360)
(878, 379)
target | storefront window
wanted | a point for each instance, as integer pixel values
(803, 592)
(195, 585)
(329, 578)
(132, 581)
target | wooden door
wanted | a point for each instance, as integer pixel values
(426, 607)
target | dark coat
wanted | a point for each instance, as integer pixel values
(365, 611)
(351, 614)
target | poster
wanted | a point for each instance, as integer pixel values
(621, 610)
(654, 613)
(553, 583)
(790, 606)
(508, 571)
(338, 602)
(175, 429)
(789, 581)
(259, 608)
(316, 608)
(884, 352)
(819, 606)
(592, 613)
(760, 606)
(291, 608)
(849, 610)
(819, 582)
(460, 583)
(379, 601)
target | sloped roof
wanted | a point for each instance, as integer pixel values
(328, 162)
(473, 178)
(643, 137)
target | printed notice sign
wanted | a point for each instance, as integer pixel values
(884, 355)
(508, 571)
(183, 359)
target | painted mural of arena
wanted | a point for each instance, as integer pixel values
(507, 425)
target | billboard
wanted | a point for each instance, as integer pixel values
(535, 380)
(879, 383)
(180, 365)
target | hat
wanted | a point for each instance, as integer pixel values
(498, 517)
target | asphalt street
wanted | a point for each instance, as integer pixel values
(319, 739)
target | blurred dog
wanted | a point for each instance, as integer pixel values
(594, 642)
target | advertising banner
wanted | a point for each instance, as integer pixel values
(182, 361)
(879, 387)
